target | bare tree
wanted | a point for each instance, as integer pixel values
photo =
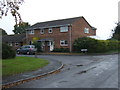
(13, 7)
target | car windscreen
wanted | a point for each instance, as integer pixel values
(26, 47)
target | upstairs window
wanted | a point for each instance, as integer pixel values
(64, 29)
(63, 43)
(86, 30)
(50, 30)
(42, 31)
(31, 32)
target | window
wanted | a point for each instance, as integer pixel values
(64, 29)
(42, 31)
(10, 44)
(50, 30)
(31, 32)
(16, 44)
(49, 43)
(63, 43)
(86, 30)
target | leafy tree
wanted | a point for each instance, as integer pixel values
(2, 32)
(116, 34)
(13, 7)
(19, 29)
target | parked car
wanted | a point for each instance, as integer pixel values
(27, 49)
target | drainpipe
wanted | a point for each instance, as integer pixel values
(70, 37)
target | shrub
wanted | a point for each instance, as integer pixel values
(38, 46)
(7, 52)
(113, 45)
(95, 46)
(85, 43)
(61, 50)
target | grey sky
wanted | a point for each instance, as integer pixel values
(102, 14)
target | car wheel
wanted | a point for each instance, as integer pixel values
(18, 52)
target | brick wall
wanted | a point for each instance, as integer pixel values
(77, 31)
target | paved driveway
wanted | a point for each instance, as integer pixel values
(99, 71)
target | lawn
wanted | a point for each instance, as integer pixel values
(22, 64)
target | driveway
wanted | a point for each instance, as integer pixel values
(99, 71)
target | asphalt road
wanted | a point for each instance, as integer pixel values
(99, 71)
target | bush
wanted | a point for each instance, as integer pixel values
(7, 52)
(38, 46)
(95, 46)
(113, 45)
(61, 50)
(85, 43)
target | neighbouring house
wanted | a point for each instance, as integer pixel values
(59, 33)
(16, 41)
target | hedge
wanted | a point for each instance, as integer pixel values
(7, 52)
(61, 50)
(95, 46)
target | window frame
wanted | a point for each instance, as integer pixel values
(50, 29)
(42, 31)
(64, 29)
(86, 30)
(16, 44)
(31, 32)
(64, 43)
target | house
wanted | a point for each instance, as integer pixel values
(15, 41)
(59, 33)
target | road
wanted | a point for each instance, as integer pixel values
(100, 71)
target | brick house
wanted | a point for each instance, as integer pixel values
(60, 33)
(16, 41)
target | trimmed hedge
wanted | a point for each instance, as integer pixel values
(7, 52)
(61, 50)
(95, 46)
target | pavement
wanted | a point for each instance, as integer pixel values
(52, 67)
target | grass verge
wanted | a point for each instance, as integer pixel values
(21, 64)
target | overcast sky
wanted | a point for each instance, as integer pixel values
(102, 14)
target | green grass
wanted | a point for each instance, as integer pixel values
(21, 64)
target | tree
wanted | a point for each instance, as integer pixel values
(21, 28)
(116, 34)
(2, 32)
(13, 7)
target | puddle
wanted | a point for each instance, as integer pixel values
(79, 65)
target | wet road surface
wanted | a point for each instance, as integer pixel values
(99, 71)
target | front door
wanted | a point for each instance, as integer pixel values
(47, 46)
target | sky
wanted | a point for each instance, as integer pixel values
(102, 14)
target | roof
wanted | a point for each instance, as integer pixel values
(54, 23)
(13, 38)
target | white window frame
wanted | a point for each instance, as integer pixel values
(10, 44)
(86, 30)
(64, 44)
(16, 44)
(50, 30)
(64, 29)
(42, 31)
(31, 32)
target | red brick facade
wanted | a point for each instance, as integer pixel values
(75, 30)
